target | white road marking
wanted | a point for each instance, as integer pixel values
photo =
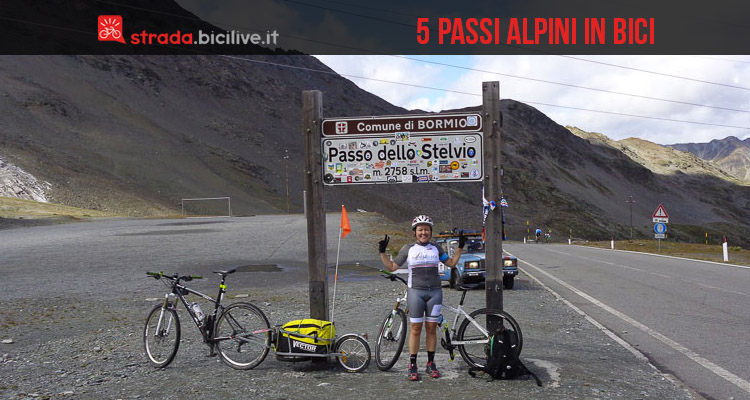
(719, 371)
(594, 322)
(628, 267)
(721, 289)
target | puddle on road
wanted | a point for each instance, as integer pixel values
(169, 232)
(185, 223)
(356, 267)
(259, 268)
(354, 272)
(347, 272)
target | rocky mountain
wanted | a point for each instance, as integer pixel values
(136, 134)
(731, 154)
(660, 159)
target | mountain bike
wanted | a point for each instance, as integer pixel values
(392, 332)
(473, 335)
(239, 331)
(471, 338)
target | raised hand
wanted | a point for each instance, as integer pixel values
(383, 244)
(461, 239)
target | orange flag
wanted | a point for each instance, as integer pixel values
(345, 227)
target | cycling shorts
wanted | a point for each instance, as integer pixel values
(424, 304)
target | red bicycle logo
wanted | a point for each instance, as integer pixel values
(110, 28)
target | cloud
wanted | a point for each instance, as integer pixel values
(381, 71)
(626, 96)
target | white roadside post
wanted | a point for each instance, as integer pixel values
(726, 250)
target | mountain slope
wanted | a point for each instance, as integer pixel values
(731, 154)
(160, 128)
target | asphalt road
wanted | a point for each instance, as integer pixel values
(106, 257)
(690, 318)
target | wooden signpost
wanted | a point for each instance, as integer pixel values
(457, 147)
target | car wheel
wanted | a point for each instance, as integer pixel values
(508, 282)
(452, 281)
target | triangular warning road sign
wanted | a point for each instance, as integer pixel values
(660, 212)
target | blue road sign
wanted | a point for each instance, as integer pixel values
(660, 228)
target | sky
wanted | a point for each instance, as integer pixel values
(662, 99)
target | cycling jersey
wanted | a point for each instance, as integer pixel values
(422, 261)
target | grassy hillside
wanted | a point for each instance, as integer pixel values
(11, 207)
(18, 213)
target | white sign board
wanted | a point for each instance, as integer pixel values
(402, 158)
(659, 236)
(415, 124)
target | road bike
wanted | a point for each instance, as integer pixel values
(473, 335)
(471, 338)
(240, 332)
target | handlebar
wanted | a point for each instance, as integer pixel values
(175, 276)
(390, 275)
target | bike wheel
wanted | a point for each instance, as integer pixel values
(242, 336)
(161, 336)
(475, 354)
(354, 352)
(391, 340)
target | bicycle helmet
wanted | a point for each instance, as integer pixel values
(421, 219)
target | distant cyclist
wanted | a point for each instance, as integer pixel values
(425, 293)
(538, 234)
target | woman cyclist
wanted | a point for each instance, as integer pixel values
(425, 293)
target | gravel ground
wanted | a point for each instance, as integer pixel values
(69, 348)
(69, 345)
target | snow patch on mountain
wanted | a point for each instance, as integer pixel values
(15, 182)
